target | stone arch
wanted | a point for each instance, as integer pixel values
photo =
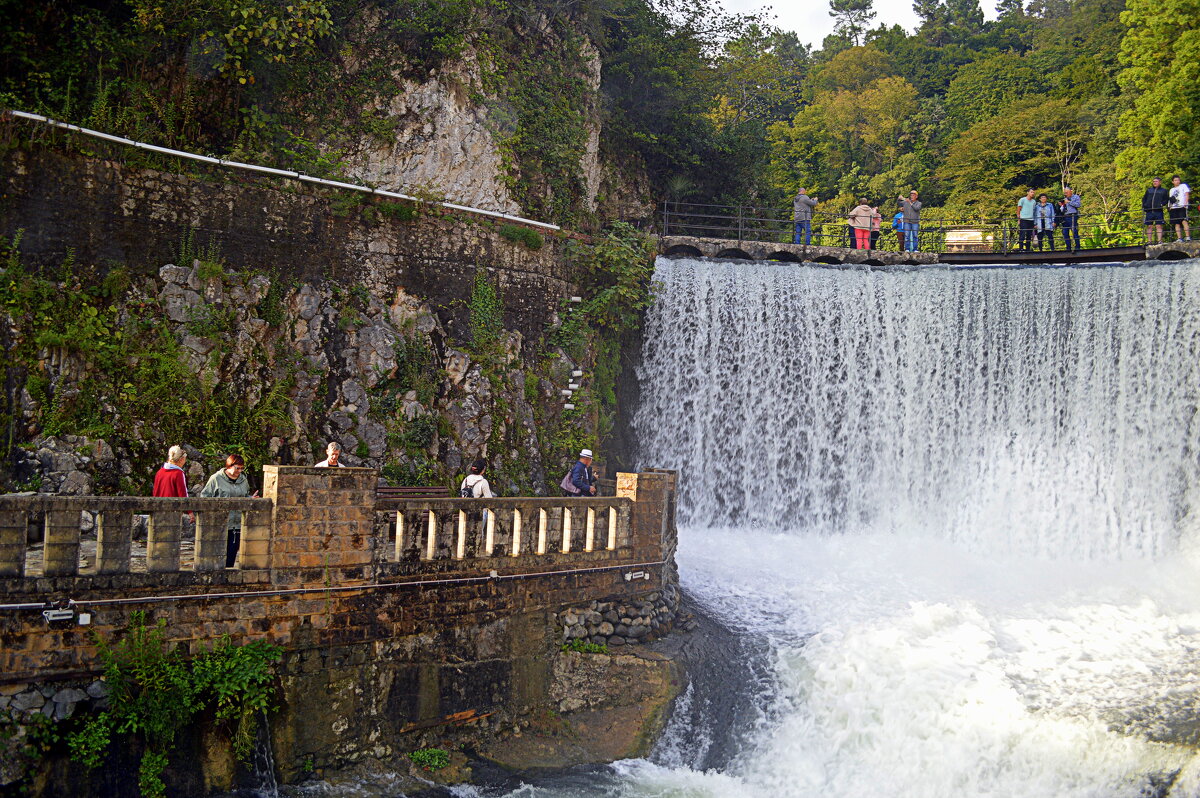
(786, 257)
(828, 260)
(684, 249)
(872, 262)
(1173, 254)
(734, 252)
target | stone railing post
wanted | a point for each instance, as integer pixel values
(649, 517)
(323, 523)
(13, 534)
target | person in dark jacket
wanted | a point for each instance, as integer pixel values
(1070, 222)
(1153, 202)
(1060, 215)
(583, 479)
(1043, 221)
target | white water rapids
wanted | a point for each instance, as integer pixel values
(956, 509)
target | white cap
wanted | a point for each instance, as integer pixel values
(586, 453)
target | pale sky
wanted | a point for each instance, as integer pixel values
(811, 21)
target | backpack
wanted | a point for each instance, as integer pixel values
(568, 485)
(467, 491)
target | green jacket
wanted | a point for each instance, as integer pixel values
(220, 486)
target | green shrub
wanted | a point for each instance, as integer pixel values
(209, 321)
(398, 211)
(522, 235)
(419, 433)
(154, 693)
(430, 758)
(487, 313)
(585, 648)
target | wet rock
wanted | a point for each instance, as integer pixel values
(306, 303)
(30, 699)
(174, 274)
(70, 695)
(457, 365)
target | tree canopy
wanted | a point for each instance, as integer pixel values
(716, 107)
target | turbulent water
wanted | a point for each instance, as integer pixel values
(951, 511)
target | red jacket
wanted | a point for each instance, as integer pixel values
(169, 482)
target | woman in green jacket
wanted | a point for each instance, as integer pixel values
(230, 483)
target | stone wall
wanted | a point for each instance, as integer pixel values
(378, 649)
(351, 289)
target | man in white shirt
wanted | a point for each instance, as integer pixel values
(1180, 196)
(334, 450)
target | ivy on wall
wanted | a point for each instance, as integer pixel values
(154, 693)
(125, 364)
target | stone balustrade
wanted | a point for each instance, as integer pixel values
(457, 529)
(313, 519)
(171, 525)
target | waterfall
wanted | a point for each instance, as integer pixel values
(1041, 411)
(947, 517)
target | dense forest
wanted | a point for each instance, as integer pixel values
(718, 107)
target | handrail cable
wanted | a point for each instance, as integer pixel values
(272, 171)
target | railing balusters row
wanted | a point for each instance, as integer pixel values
(457, 529)
(62, 551)
(771, 225)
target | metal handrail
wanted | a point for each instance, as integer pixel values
(937, 233)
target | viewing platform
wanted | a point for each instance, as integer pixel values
(722, 248)
(751, 233)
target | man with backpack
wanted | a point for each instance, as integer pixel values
(580, 481)
(475, 486)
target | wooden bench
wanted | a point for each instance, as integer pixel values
(413, 492)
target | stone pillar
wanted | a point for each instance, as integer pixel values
(324, 523)
(651, 492)
(61, 550)
(114, 536)
(13, 535)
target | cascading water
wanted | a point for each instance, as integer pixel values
(953, 512)
(1038, 411)
(958, 504)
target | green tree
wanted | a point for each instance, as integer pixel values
(995, 160)
(851, 18)
(982, 89)
(1161, 82)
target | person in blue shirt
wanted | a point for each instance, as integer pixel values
(898, 226)
(1025, 206)
(583, 479)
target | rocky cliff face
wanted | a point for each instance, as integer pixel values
(466, 130)
(441, 143)
(418, 343)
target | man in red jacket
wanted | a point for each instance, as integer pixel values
(170, 480)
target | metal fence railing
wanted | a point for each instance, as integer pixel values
(936, 232)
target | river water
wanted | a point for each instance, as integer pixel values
(949, 514)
